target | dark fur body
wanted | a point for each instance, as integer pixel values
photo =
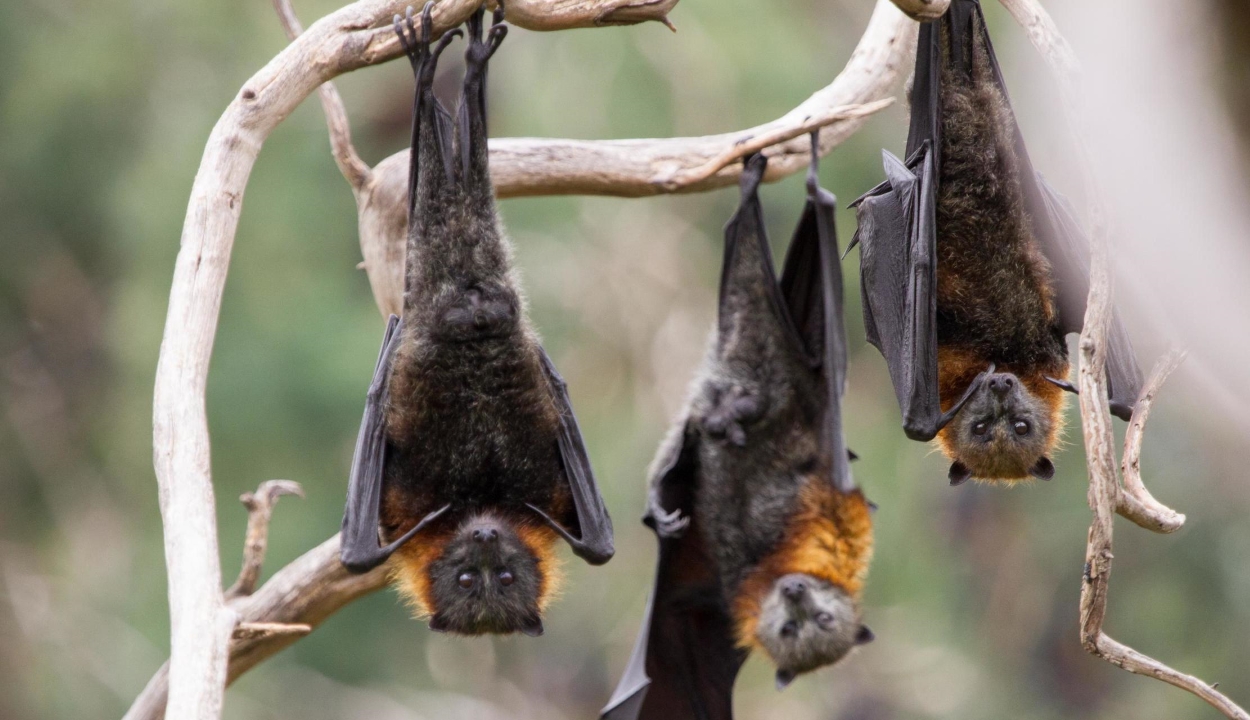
(995, 296)
(996, 299)
(477, 428)
(747, 495)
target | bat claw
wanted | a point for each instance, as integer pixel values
(668, 525)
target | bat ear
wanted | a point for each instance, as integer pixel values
(865, 635)
(784, 678)
(959, 473)
(1043, 469)
(438, 623)
(533, 626)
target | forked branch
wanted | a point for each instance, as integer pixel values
(1107, 496)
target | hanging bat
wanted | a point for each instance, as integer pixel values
(469, 464)
(974, 270)
(764, 538)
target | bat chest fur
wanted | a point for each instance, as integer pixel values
(472, 425)
(995, 293)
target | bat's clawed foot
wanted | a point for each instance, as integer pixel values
(734, 409)
(668, 525)
(481, 50)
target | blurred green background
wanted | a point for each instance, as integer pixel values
(104, 111)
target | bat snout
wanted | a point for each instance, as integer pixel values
(1001, 384)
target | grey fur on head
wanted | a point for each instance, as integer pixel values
(806, 623)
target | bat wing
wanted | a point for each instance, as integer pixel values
(897, 236)
(1068, 252)
(811, 284)
(684, 661)
(359, 550)
(595, 545)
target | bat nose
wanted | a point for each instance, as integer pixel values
(794, 590)
(486, 536)
(1000, 385)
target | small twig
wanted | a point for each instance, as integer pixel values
(1106, 495)
(676, 179)
(268, 631)
(1135, 501)
(259, 510)
(355, 170)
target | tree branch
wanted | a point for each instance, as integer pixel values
(304, 593)
(1106, 495)
(260, 509)
(522, 167)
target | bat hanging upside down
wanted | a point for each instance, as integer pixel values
(974, 271)
(764, 539)
(469, 464)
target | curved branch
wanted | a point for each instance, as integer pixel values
(1135, 502)
(1106, 495)
(523, 167)
(355, 170)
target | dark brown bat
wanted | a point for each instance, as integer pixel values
(469, 464)
(764, 538)
(974, 270)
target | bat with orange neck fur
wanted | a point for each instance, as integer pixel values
(469, 465)
(764, 539)
(974, 271)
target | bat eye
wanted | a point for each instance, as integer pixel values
(980, 428)
(505, 578)
(1021, 427)
(466, 580)
(790, 629)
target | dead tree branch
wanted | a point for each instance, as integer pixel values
(301, 595)
(259, 510)
(1107, 496)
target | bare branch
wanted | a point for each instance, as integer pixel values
(1106, 495)
(304, 593)
(268, 631)
(522, 167)
(923, 9)
(355, 170)
(260, 509)
(1136, 503)
(685, 178)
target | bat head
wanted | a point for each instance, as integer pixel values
(806, 623)
(486, 580)
(1003, 433)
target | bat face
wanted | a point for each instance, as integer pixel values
(487, 580)
(1002, 433)
(806, 623)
